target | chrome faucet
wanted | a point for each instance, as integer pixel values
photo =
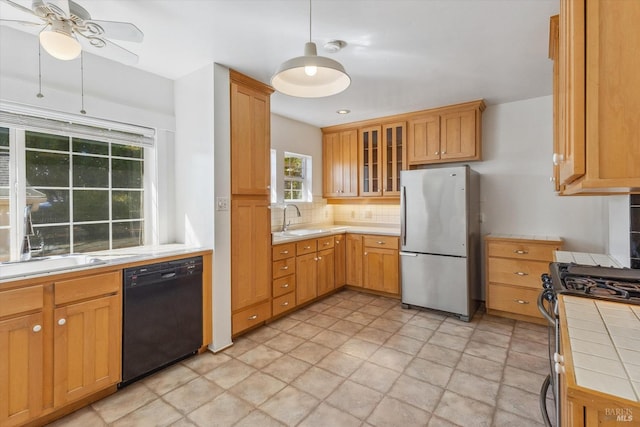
(27, 250)
(286, 225)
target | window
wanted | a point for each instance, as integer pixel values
(82, 191)
(297, 178)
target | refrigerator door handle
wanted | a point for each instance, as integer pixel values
(403, 216)
(408, 254)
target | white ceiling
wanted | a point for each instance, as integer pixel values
(402, 55)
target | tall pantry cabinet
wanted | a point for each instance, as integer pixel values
(250, 213)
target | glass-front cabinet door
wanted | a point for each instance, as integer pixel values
(371, 161)
(394, 157)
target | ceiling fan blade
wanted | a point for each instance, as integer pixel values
(117, 30)
(108, 49)
(13, 22)
(59, 6)
(18, 6)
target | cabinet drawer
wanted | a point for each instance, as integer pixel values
(516, 272)
(283, 251)
(21, 300)
(325, 243)
(250, 317)
(284, 285)
(306, 247)
(284, 267)
(513, 300)
(68, 291)
(387, 242)
(521, 250)
(284, 303)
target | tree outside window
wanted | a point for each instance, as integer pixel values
(294, 177)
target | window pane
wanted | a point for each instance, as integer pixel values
(90, 205)
(90, 171)
(47, 169)
(126, 234)
(126, 173)
(126, 204)
(119, 150)
(46, 141)
(4, 243)
(55, 238)
(90, 237)
(296, 185)
(90, 147)
(4, 137)
(293, 166)
(52, 211)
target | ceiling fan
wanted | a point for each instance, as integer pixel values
(67, 28)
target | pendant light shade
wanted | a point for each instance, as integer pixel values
(58, 41)
(310, 76)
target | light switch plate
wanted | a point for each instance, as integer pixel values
(222, 203)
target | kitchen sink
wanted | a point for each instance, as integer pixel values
(46, 265)
(304, 232)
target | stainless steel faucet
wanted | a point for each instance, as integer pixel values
(285, 226)
(27, 250)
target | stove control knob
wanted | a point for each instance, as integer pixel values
(558, 358)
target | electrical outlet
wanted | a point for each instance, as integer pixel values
(353, 214)
(222, 203)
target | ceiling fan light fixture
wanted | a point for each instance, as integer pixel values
(59, 42)
(310, 76)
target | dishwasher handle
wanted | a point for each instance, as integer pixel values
(168, 275)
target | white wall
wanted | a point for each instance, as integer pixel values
(619, 226)
(516, 194)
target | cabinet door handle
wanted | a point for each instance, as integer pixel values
(286, 285)
(520, 252)
(521, 273)
(62, 321)
(286, 267)
(284, 304)
(254, 317)
(520, 301)
(380, 242)
(37, 328)
(284, 252)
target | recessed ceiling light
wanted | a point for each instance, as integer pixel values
(334, 46)
(343, 111)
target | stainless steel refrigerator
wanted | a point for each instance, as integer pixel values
(440, 238)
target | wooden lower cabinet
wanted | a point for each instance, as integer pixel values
(353, 269)
(306, 278)
(21, 368)
(60, 342)
(514, 265)
(340, 253)
(326, 271)
(381, 269)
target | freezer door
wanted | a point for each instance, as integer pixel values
(437, 282)
(434, 211)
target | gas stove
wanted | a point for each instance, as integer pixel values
(604, 283)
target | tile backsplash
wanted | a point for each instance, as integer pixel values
(319, 212)
(634, 238)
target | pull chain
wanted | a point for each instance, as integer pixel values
(309, 20)
(82, 111)
(39, 94)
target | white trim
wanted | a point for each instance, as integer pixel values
(22, 116)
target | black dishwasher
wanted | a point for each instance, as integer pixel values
(162, 316)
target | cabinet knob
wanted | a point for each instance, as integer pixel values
(436, 153)
(307, 247)
(337, 242)
(327, 243)
(444, 152)
(286, 267)
(552, 178)
(62, 321)
(37, 328)
(268, 187)
(520, 252)
(366, 253)
(319, 258)
(286, 285)
(380, 242)
(254, 317)
(284, 304)
(521, 273)
(520, 301)
(284, 252)
(557, 158)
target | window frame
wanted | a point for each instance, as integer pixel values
(17, 184)
(278, 177)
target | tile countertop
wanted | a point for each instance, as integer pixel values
(585, 258)
(605, 345)
(329, 230)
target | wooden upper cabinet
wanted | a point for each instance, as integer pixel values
(340, 163)
(458, 136)
(250, 136)
(394, 158)
(599, 93)
(554, 45)
(424, 134)
(371, 161)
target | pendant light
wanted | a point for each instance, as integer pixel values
(310, 76)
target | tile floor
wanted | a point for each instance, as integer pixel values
(351, 359)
